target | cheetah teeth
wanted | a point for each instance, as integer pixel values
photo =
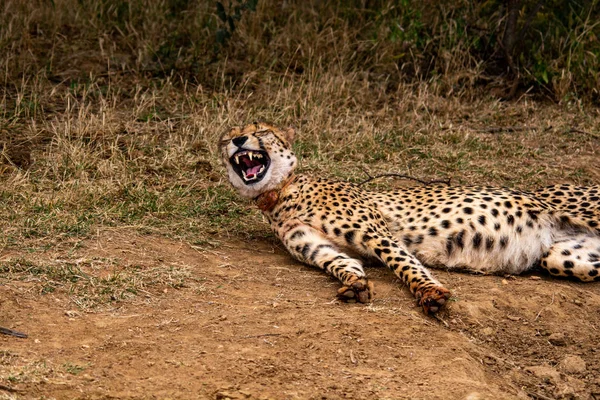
(250, 154)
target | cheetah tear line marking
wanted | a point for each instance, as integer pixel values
(482, 229)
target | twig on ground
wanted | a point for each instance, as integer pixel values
(594, 135)
(507, 129)
(536, 395)
(441, 320)
(8, 389)
(263, 335)
(371, 178)
(10, 332)
(539, 313)
(352, 358)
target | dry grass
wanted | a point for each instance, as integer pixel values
(95, 131)
(96, 282)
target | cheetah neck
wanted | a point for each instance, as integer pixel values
(268, 200)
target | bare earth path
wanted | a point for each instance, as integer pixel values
(250, 322)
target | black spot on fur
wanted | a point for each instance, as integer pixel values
(297, 234)
(568, 264)
(317, 249)
(460, 239)
(305, 250)
(450, 245)
(477, 240)
(349, 236)
(503, 241)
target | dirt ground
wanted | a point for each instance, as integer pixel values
(252, 323)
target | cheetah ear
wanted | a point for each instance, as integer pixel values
(289, 134)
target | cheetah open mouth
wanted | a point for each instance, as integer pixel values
(250, 165)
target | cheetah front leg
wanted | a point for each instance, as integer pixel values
(312, 247)
(429, 292)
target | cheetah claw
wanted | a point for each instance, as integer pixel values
(432, 299)
(361, 290)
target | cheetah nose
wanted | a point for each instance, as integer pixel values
(239, 141)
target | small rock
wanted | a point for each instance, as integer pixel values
(513, 318)
(544, 372)
(489, 360)
(488, 331)
(570, 389)
(557, 339)
(573, 365)
(223, 395)
(504, 282)
(534, 278)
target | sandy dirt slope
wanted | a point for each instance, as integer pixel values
(253, 323)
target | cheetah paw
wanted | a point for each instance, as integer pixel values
(432, 299)
(361, 290)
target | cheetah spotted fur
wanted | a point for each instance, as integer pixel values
(326, 223)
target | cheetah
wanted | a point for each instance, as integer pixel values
(335, 225)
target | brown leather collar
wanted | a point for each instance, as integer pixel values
(268, 200)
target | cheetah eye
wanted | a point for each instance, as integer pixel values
(263, 132)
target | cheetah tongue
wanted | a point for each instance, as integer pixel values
(252, 172)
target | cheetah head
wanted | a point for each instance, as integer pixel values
(258, 157)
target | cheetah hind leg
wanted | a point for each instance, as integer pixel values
(577, 256)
